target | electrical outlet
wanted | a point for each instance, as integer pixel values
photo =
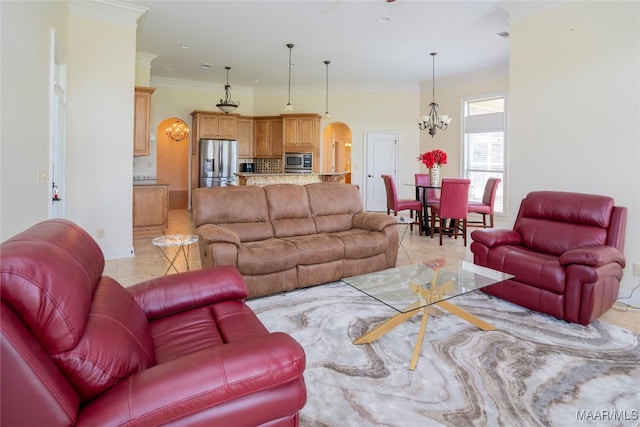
(636, 270)
(100, 233)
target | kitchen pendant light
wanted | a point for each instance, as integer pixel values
(432, 121)
(227, 105)
(326, 109)
(289, 107)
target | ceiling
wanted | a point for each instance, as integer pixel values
(251, 38)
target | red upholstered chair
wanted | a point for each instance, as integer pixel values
(565, 251)
(431, 193)
(486, 206)
(78, 349)
(453, 205)
(396, 205)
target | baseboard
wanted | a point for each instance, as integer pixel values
(119, 253)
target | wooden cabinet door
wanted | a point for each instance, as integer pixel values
(275, 139)
(150, 208)
(142, 120)
(290, 130)
(307, 131)
(227, 127)
(244, 136)
(208, 126)
(261, 137)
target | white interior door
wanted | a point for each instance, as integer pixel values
(381, 160)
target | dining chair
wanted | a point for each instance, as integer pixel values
(487, 205)
(396, 205)
(453, 205)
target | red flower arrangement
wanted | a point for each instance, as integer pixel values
(433, 157)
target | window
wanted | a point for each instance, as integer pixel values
(484, 145)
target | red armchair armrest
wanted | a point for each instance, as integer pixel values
(200, 381)
(178, 292)
(593, 255)
(496, 237)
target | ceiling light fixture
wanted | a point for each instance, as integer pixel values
(177, 131)
(326, 106)
(227, 105)
(432, 121)
(289, 107)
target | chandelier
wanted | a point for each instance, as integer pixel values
(177, 131)
(289, 107)
(432, 121)
(327, 115)
(227, 105)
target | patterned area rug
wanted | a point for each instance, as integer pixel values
(534, 370)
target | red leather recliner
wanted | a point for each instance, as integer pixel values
(79, 349)
(565, 251)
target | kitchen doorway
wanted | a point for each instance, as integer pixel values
(336, 153)
(173, 162)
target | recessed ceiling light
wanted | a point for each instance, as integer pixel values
(205, 66)
(384, 19)
(168, 68)
(503, 34)
(185, 46)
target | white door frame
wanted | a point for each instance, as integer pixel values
(57, 128)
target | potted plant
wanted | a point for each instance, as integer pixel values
(433, 160)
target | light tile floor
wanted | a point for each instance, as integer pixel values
(149, 263)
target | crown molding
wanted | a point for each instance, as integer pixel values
(147, 58)
(192, 84)
(109, 11)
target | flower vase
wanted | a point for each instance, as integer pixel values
(434, 175)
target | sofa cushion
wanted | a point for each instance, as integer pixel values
(289, 210)
(359, 243)
(318, 248)
(333, 205)
(243, 210)
(266, 256)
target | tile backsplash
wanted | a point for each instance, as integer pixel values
(265, 165)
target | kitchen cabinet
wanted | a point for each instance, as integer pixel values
(301, 132)
(142, 120)
(267, 134)
(244, 136)
(150, 209)
(214, 125)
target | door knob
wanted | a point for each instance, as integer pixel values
(370, 176)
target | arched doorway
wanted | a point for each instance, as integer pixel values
(337, 149)
(173, 161)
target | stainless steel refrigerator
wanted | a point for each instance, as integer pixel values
(218, 162)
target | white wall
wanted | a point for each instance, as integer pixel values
(24, 128)
(102, 63)
(575, 107)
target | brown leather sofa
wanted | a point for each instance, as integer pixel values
(286, 236)
(79, 349)
(565, 251)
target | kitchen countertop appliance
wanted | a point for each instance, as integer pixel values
(298, 162)
(218, 162)
(247, 167)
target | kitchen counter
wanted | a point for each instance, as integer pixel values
(149, 182)
(262, 179)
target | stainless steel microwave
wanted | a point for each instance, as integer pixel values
(298, 162)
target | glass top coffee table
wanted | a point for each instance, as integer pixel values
(419, 288)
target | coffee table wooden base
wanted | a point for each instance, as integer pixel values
(411, 311)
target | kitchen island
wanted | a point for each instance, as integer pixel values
(262, 179)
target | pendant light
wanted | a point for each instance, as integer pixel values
(289, 107)
(326, 109)
(227, 105)
(432, 121)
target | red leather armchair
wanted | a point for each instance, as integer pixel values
(79, 349)
(565, 251)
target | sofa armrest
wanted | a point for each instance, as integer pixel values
(496, 236)
(177, 292)
(372, 221)
(593, 255)
(211, 233)
(200, 381)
